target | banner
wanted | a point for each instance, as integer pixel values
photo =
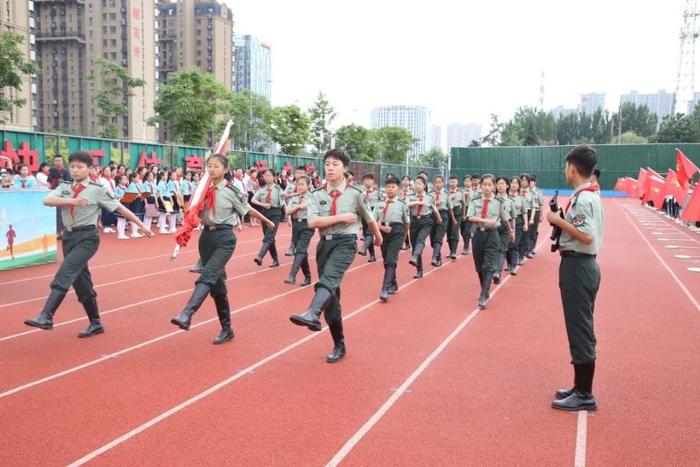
(27, 229)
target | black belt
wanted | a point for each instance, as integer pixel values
(486, 229)
(296, 219)
(392, 224)
(83, 228)
(575, 254)
(211, 228)
(337, 236)
(427, 216)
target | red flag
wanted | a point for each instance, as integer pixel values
(647, 179)
(630, 186)
(620, 184)
(691, 212)
(655, 191)
(642, 179)
(685, 168)
(191, 218)
(673, 187)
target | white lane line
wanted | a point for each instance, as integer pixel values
(581, 436)
(136, 260)
(658, 256)
(178, 408)
(681, 247)
(369, 424)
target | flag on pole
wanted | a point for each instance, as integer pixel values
(691, 212)
(655, 190)
(673, 187)
(642, 180)
(196, 204)
(685, 168)
(620, 184)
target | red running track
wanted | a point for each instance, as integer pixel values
(427, 380)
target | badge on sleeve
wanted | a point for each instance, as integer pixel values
(578, 220)
(323, 202)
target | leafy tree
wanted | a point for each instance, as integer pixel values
(629, 137)
(677, 128)
(289, 127)
(639, 120)
(536, 126)
(112, 95)
(322, 116)
(474, 144)
(493, 137)
(600, 126)
(251, 115)
(189, 104)
(394, 143)
(358, 141)
(13, 65)
(433, 158)
(512, 134)
(568, 129)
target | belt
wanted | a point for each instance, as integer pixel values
(421, 216)
(575, 254)
(338, 236)
(296, 219)
(486, 229)
(211, 228)
(83, 228)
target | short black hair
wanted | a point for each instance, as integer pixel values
(584, 158)
(475, 176)
(524, 175)
(368, 177)
(453, 177)
(271, 171)
(57, 156)
(81, 156)
(350, 173)
(390, 175)
(440, 177)
(42, 165)
(533, 178)
(517, 179)
(505, 179)
(422, 172)
(406, 177)
(339, 155)
(422, 179)
(596, 172)
(391, 181)
(485, 176)
(301, 167)
(221, 158)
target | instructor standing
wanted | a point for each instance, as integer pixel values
(579, 275)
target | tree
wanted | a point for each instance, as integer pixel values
(629, 137)
(394, 143)
(13, 64)
(568, 129)
(112, 95)
(536, 127)
(251, 115)
(493, 137)
(677, 128)
(289, 127)
(639, 120)
(512, 134)
(600, 127)
(190, 103)
(358, 141)
(322, 116)
(433, 158)
(474, 144)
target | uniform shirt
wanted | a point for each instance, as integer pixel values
(405, 193)
(119, 191)
(531, 200)
(173, 187)
(147, 187)
(457, 198)
(291, 189)
(162, 189)
(397, 212)
(518, 204)
(428, 205)
(134, 187)
(187, 187)
(372, 197)
(351, 200)
(470, 194)
(538, 198)
(276, 200)
(508, 207)
(29, 182)
(494, 212)
(443, 201)
(297, 199)
(230, 202)
(97, 197)
(586, 214)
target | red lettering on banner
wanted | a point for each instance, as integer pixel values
(136, 13)
(145, 160)
(136, 32)
(137, 51)
(23, 155)
(194, 162)
(261, 165)
(96, 154)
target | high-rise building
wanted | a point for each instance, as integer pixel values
(660, 103)
(71, 35)
(196, 34)
(693, 103)
(18, 16)
(436, 141)
(591, 102)
(253, 66)
(561, 111)
(415, 119)
(460, 136)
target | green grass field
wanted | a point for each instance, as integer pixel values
(32, 260)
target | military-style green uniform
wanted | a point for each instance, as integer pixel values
(538, 202)
(443, 204)
(579, 275)
(504, 231)
(272, 195)
(371, 199)
(421, 225)
(337, 247)
(392, 212)
(532, 204)
(453, 230)
(467, 227)
(524, 246)
(301, 237)
(513, 248)
(404, 194)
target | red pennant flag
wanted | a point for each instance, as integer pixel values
(655, 191)
(650, 173)
(630, 186)
(685, 168)
(673, 187)
(691, 212)
(642, 180)
(619, 185)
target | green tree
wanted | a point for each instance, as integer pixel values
(394, 143)
(251, 115)
(629, 137)
(474, 144)
(191, 104)
(13, 65)
(536, 126)
(568, 129)
(677, 128)
(112, 96)
(600, 128)
(322, 116)
(493, 137)
(358, 141)
(639, 120)
(433, 158)
(512, 134)
(289, 127)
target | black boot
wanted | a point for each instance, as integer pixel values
(338, 352)
(45, 318)
(564, 393)
(387, 282)
(198, 268)
(93, 314)
(224, 312)
(362, 251)
(311, 317)
(435, 261)
(261, 254)
(485, 287)
(306, 270)
(275, 258)
(417, 252)
(499, 268)
(582, 398)
(513, 263)
(184, 319)
(298, 259)
(290, 250)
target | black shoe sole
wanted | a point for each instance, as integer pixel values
(182, 326)
(257, 261)
(94, 333)
(305, 284)
(383, 299)
(335, 360)
(287, 281)
(362, 253)
(412, 262)
(275, 265)
(196, 271)
(588, 408)
(40, 326)
(223, 341)
(302, 322)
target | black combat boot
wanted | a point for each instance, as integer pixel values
(298, 259)
(184, 319)
(93, 313)
(311, 317)
(417, 252)
(224, 312)
(261, 254)
(338, 352)
(45, 318)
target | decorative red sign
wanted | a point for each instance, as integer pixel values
(194, 162)
(145, 160)
(136, 13)
(137, 51)
(287, 166)
(96, 154)
(23, 155)
(310, 168)
(261, 165)
(136, 33)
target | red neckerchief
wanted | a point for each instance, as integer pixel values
(592, 188)
(76, 191)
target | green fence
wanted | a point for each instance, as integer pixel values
(34, 148)
(616, 160)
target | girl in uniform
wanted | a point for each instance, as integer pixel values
(122, 184)
(486, 213)
(465, 225)
(422, 208)
(506, 232)
(524, 246)
(176, 198)
(457, 198)
(187, 187)
(150, 208)
(404, 193)
(163, 196)
(270, 199)
(137, 205)
(296, 210)
(222, 203)
(443, 204)
(520, 213)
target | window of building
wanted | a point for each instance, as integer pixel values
(104, 29)
(104, 16)
(113, 16)
(104, 42)
(33, 88)
(113, 29)
(31, 5)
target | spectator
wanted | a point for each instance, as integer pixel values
(24, 179)
(5, 179)
(42, 177)
(58, 172)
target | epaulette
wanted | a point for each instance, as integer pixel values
(496, 198)
(234, 188)
(356, 189)
(68, 182)
(96, 184)
(317, 189)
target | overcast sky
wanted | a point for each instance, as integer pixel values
(463, 59)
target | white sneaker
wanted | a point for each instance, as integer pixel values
(137, 235)
(163, 231)
(122, 237)
(108, 230)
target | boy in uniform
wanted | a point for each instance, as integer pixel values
(80, 203)
(392, 216)
(335, 211)
(372, 196)
(453, 230)
(471, 191)
(443, 203)
(289, 192)
(579, 275)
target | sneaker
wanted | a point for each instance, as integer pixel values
(122, 237)
(137, 235)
